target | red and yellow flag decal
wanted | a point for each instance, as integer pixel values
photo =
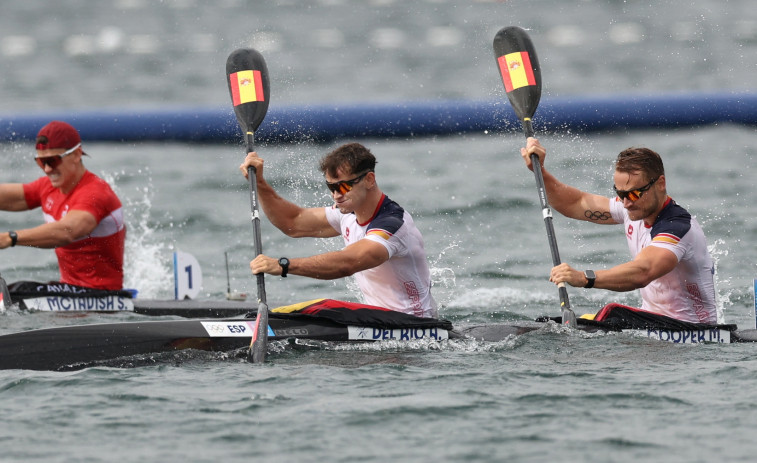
(246, 86)
(516, 70)
(666, 238)
(380, 233)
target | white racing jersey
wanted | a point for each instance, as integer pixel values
(402, 283)
(688, 291)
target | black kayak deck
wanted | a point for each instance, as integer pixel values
(77, 347)
(190, 308)
(81, 346)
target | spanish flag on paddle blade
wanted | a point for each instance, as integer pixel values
(516, 70)
(246, 87)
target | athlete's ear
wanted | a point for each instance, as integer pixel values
(371, 179)
(661, 181)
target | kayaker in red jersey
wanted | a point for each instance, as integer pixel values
(84, 219)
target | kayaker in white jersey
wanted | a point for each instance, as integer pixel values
(383, 248)
(671, 264)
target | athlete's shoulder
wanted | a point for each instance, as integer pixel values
(390, 217)
(674, 221)
(390, 207)
(42, 183)
(91, 179)
(92, 193)
(36, 191)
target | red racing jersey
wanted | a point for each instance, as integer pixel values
(96, 260)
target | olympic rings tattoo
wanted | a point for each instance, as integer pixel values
(597, 215)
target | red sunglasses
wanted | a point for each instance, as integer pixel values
(54, 161)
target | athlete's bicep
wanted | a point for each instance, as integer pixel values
(596, 208)
(312, 222)
(656, 261)
(78, 223)
(364, 254)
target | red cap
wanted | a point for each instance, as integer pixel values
(57, 134)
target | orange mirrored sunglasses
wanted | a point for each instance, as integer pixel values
(633, 195)
(344, 186)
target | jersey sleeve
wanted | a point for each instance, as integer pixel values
(617, 211)
(386, 229)
(668, 234)
(97, 198)
(334, 218)
(33, 192)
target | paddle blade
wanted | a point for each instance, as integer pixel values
(519, 68)
(259, 341)
(247, 77)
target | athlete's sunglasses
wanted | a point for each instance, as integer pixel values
(345, 185)
(633, 195)
(54, 161)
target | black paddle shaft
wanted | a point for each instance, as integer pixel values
(255, 218)
(247, 78)
(547, 213)
(259, 345)
(519, 68)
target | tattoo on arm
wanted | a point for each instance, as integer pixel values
(597, 215)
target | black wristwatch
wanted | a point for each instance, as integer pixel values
(590, 277)
(284, 262)
(14, 237)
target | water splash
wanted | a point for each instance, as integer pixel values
(443, 276)
(717, 250)
(145, 265)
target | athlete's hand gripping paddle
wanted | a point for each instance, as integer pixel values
(519, 68)
(247, 77)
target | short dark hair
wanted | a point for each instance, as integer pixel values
(354, 156)
(640, 160)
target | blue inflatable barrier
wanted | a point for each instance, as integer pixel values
(395, 120)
